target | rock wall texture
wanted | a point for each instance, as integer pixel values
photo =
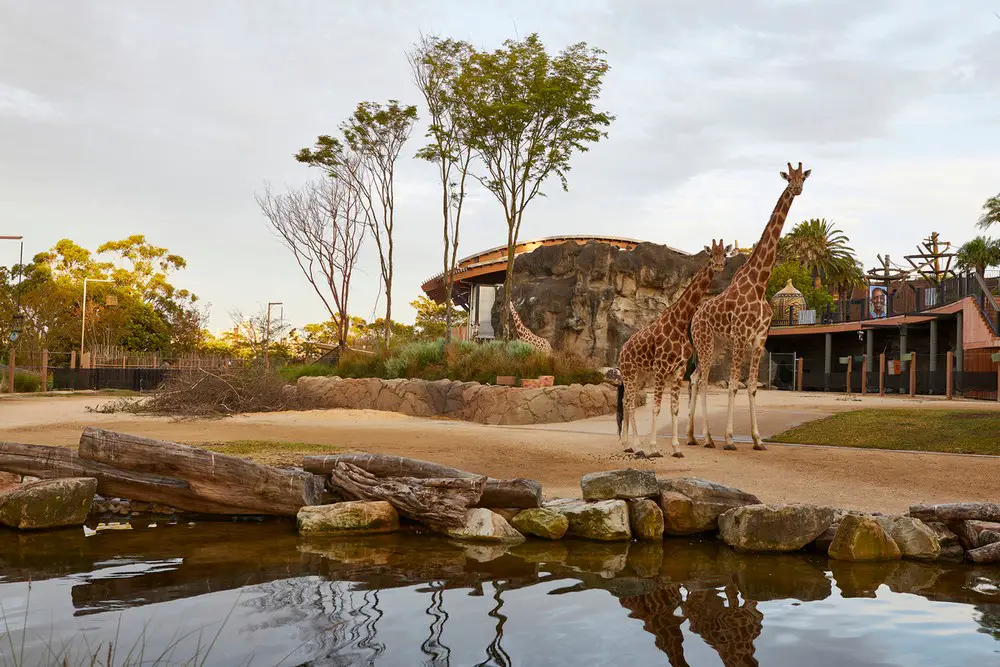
(468, 401)
(589, 298)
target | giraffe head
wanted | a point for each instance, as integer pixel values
(717, 256)
(795, 178)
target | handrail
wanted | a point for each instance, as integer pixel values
(988, 297)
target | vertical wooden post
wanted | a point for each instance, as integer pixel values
(10, 372)
(72, 359)
(998, 383)
(45, 370)
(798, 374)
(850, 368)
(913, 374)
(881, 374)
(864, 375)
(948, 379)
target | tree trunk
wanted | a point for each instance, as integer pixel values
(512, 493)
(439, 502)
(947, 512)
(58, 462)
(213, 478)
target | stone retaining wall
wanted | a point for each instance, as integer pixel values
(468, 401)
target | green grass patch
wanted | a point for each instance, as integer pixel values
(955, 431)
(463, 361)
(269, 452)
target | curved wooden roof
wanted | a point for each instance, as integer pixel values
(475, 267)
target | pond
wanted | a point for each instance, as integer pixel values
(246, 593)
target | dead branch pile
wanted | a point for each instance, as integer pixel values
(216, 393)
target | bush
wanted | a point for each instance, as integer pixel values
(293, 373)
(24, 382)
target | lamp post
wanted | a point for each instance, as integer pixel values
(83, 323)
(267, 335)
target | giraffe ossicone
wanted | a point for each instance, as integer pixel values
(738, 319)
(661, 351)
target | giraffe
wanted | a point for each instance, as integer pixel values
(525, 334)
(661, 351)
(738, 318)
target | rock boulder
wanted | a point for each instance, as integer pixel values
(604, 520)
(348, 518)
(623, 484)
(780, 528)
(483, 525)
(50, 503)
(646, 519)
(691, 505)
(541, 522)
(912, 536)
(861, 538)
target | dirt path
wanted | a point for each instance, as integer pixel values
(558, 454)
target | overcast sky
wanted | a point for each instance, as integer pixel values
(164, 118)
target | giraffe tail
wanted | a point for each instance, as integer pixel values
(621, 406)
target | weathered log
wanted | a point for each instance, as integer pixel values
(515, 493)
(56, 462)
(435, 501)
(947, 512)
(216, 478)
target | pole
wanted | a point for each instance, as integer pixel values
(798, 374)
(267, 335)
(881, 374)
(864, 375)
(949, 383)
(10, 372)
(45, 370)
(850, 367)
(913, 374)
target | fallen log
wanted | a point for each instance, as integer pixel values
(514, 493)
(987, 554)
(439, 502)
(211, 477)
(947, 512)
(57, 462)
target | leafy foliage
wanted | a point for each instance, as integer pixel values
(978, 254)
(991, 213)
(817, 298)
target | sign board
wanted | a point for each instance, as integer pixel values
(996, 356)
(844, 360)
(807, 317)
(893, 366)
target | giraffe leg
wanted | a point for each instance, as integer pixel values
(704, 352)
(709, 443)
(654, 451)
(734, 387)
(692, 407)
(625, 438)
(675, 405)
(758, 351)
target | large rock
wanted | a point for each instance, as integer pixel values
(624, 484)
(646, 519)
(861, 538)
(50, 503)
(691, 505)
(945, 536)
(969, 532)
(541, 522)
(589, 298)
(483, 525)
(348, 518)
(9, 480)
(912, 536)
(774, 527)
(948, 512)
(604, 520)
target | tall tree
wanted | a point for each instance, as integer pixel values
(978, 254)
(991, 213)
(819, 246)
(373, 138)
(436, 66)
(323, 227)
(525, 113)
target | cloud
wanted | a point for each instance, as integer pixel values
(24, 104)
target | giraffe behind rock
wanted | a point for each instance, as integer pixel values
(739, 318)
(661, 351)
(525, 334)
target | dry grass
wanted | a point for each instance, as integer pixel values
(953, 431)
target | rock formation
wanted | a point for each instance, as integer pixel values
(589, 298)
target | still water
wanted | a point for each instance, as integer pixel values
(236, 594)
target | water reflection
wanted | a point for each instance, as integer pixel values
(405, 600)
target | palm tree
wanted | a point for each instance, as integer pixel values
(991, 213)
(820, 247)
(978, 254)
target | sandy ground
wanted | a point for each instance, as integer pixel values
(558, 454)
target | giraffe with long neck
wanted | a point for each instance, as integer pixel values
(525, 334)
(661, 351)
(738, 319)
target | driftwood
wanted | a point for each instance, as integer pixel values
(513, 493)
(987, 554)
(55, 462)
(212, 478)
(948, 512)
(433, 501)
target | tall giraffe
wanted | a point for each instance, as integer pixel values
(525, 334)
(660, 351)
(738, 318)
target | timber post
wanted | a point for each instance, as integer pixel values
(45, 370)
(949, 381)
(850, 368)
(881, 374)
(913, 374)
(798, 374)
(864, 375)
(10, 372)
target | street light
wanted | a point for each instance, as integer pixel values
(267, 335)
(83, 324)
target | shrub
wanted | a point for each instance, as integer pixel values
(25, 382)
(293, 373)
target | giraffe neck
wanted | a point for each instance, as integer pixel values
(763, 255)
(685, 306)
(522, 331)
